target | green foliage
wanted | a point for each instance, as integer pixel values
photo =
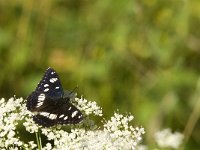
(138, 56)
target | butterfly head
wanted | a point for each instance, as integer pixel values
(69, 95)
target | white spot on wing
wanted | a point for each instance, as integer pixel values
(46, 85)
(57, 87)
(52, 116)
(39, 104)
(74, 113)
(44, 114)
(52, 80)
(61, 116)
(66, 118)
(41, 99)
(70, 108)
(47, 89)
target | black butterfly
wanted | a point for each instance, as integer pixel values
(51, 104)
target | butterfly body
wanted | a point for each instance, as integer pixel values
(51, 105)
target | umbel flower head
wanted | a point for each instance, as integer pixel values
(115, 133)
(165, 138)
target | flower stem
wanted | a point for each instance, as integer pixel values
(39, 142)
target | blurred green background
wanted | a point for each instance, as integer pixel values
(138, 56)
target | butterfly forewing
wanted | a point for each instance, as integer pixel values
(50, 84)
(36, 101)
(48, 90)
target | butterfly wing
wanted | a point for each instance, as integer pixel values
(35, 100)
(66, 114)
(50, 84)
(49, 89)
(69, 115)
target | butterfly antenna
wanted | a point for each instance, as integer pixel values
(73, 90)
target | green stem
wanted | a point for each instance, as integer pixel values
(38, 139)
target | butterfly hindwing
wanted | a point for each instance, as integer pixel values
(43, 120)
(67, 114)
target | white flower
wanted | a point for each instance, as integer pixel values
(89, 107)
(32, 145)
(30, 125)
(166, 138)
(9, 118)
(116, 132)
(142, 147)
(47, 147)
(11, 134)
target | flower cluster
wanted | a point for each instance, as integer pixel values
(11, 112)
(115, 133)
(89, 107)
(121, 134)
(167, 139)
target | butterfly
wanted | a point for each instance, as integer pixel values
(51, 104)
